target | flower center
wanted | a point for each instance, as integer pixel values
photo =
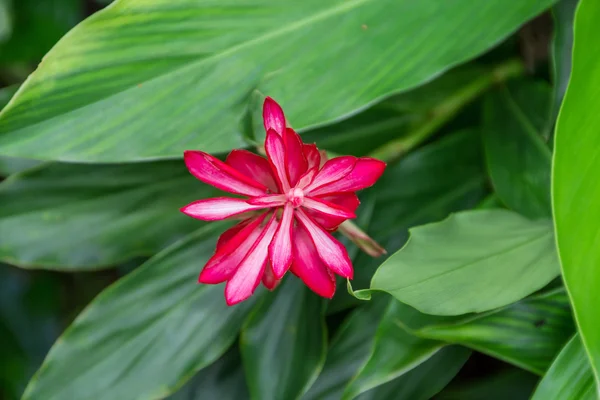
(296, 197)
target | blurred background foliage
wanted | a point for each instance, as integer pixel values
(434, 129)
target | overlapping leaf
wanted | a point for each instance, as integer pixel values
(425, 380)
(284, 342)
(150, 78)
(473, 261)
(576, 187)
(424, 186)
(570, 377)
(348, 352)
(517, 157)
(527, 334)
(395, 351)
(147, 334)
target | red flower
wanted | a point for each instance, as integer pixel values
(292, 201)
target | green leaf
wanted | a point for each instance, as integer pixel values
(407, 115)
(395, 351)
(112, 91)
(518, 159)
(473, 261)
(224, 379)
(570, 377)
(527, 334)
(424, 186)
(84, 216)
(284, 342)
(562, 49)
(349, 350)
(575, 186)
(147, 334)
(424, 381)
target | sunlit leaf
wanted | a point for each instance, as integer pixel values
(473, 261)
(150, 78)
(576, 187)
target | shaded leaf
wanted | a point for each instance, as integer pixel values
(576, 187)
(395, 351)
(84, 216)
(112, 81)
(224, 379)
(349, 350)
(473, 261)
(425, 380)
(284, 342)
(518, 159)
(514, 384)
(147, 334)
(562, 49)
(37, 26)
(570, 377)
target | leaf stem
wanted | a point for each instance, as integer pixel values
(447, 109)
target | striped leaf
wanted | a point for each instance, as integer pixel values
(527, 334)
(570, 376)
(150, 78)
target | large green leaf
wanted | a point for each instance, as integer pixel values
(517, 157)
(395, 351)
(576, 187)
(147, 334)
(424, 186)
(150, 78)
(527, 334)
(84, 216)
(473, 261)
(224, 379)
(425, 380)
(570, 377)
(284, 342)
(349, 351)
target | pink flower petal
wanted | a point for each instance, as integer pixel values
(312, 155)
(295, 161)
(230, 233)
(348, 201)
(268, 200)
(251, 269)
(280, 250)
(309, 267)
(273, 116)
(365, 174)
(333, 170)
(253, 165)
(308, 177)
(268, 278)
(331, 251)
(276, 154)
(223, 264)
(215, 172)
(218, 208)
(327, 208)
